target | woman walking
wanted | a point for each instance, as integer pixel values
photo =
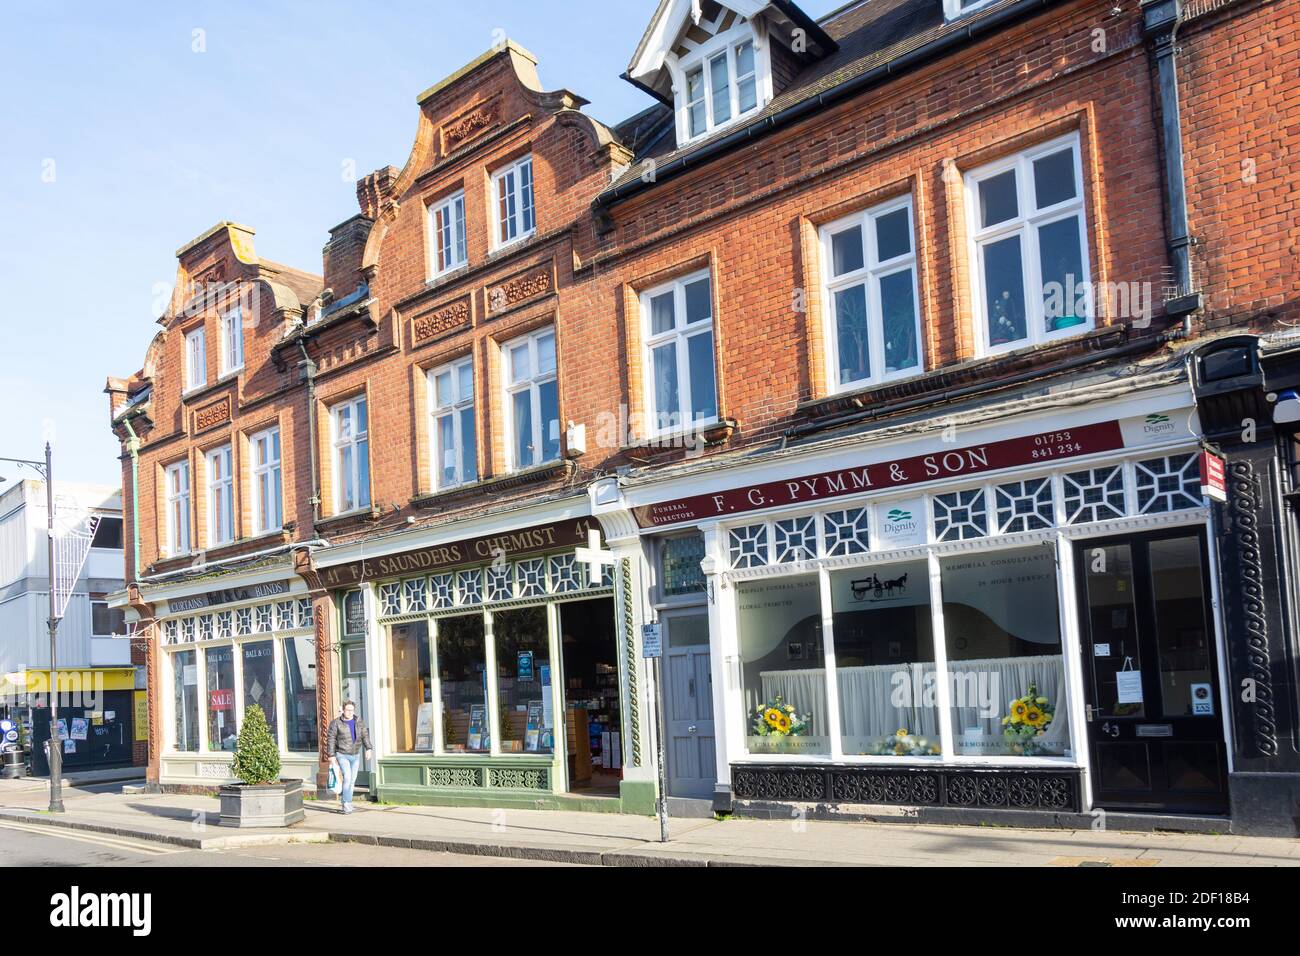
(345, 740)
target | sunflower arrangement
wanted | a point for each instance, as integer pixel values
(778, 719)
(1028, 719)
(904, 744)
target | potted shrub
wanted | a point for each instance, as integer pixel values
(261, 798)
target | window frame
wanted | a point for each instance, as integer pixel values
(456, 368)
(223, 486)
(196, 359)
(1026, 225)
(174, 496)
(336, 449)
(532, 384)
(458, 228)
(499, 239)
(101, 602)
(682, 332)
(260, 468)
(952, 9)
(701, 60)
(231, 359)
(871, 274)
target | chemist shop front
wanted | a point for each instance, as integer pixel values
(1019, 620)
(490, 666)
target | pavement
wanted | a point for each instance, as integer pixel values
(191, 821)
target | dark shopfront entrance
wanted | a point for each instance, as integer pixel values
(1151, 674)
(591, 696)
(100, 733)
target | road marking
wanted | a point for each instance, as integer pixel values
(83, 836)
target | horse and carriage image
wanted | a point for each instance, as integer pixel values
(876, 588)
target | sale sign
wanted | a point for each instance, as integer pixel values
(223, 698)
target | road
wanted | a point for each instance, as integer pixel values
(23, 844)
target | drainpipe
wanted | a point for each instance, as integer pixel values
(1160, 22)
(307, 374)
(133, 449)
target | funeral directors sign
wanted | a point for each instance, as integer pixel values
(1039, 449)
(505, 544)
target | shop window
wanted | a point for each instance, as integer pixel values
(462, 677)
(679, 565)
(959, 515)
(795, 539)
(223, 732)
(874, 332)
(354, 614)
(243, 621)
(846, 532)
(499, 584)
(306, 614)
(749, 546)
(469, 587)
(532, 400)
(783, 666)
(301, 734)
(1006, 669)
(1094, 495)
(284, 616)
(258, 658)
(884, 660)
(443, 591)
(524, 680)
(185, 686)
(262, 619)
(415, 595)
(203, 627)
(412, 689)
(681, 388)
(171, 631)
(566, 574)
(1168, 484)
(1024, 505)
(390, 599)
(224, 626)
(1030, 248)
(531, 577)
(188, 626)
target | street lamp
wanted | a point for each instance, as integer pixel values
(45, 470)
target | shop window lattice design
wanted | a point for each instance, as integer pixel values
(846, 532)
(415, 595)
(306, 615)
(469, 587)
(1094, 495)
(796, 539)
(390, 599)
(187, 630)
(531, 577)
(171, 629)
(679, 563)
(959, 515)
(284, 616)
(262, 619)
(1168, 484)
(225, 626)
(566, 574)
(204, 631)
(243, 621)
(749, 546)
(498, 584)
(1024, 505)
(442, 591)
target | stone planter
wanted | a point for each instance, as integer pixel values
(265, 805)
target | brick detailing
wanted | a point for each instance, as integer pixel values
(438, 323)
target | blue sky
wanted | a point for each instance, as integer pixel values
(121, 143)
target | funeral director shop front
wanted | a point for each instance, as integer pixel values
(1015, 613)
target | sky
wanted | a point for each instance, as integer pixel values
(127, 129)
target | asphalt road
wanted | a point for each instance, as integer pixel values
(23, 844)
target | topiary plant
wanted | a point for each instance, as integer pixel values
(257, 758)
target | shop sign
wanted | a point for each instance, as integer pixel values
(1214, 484)
(652, 640)
(197, 602)
(141, 715)
(901, 524)
(508, 544)
(1037, 449)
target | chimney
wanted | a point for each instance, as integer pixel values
(343, 255)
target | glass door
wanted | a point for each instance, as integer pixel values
(1150, 674)
(354, 689)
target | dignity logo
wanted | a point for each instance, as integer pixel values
(75, 909)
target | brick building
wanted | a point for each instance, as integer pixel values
(869, 362)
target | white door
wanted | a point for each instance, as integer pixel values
(688, 705)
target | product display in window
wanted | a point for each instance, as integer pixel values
(462, 677)
(524, 681)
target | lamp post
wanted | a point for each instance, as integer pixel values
(45, 470)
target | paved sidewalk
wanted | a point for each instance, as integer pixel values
(79, 779)
(618, 840)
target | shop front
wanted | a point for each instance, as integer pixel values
(250, 643)
(96, 717)
(493, 670)
(1009, 612)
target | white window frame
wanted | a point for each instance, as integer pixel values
(952, 9)
(532, 385)
(266, 468)
(339, 444)
(1026, 224)
(196, 359)
(518, 195)
(437, 412)
(681, 333)
(447, 223)
(871, 274)
(220, 495)
(232, 341)
(176, 485)
(724, 44)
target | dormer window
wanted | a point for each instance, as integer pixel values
(720, 86)
(952, 9)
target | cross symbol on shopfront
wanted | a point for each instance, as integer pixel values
(594, 558)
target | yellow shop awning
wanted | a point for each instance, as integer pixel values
(81, 678)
